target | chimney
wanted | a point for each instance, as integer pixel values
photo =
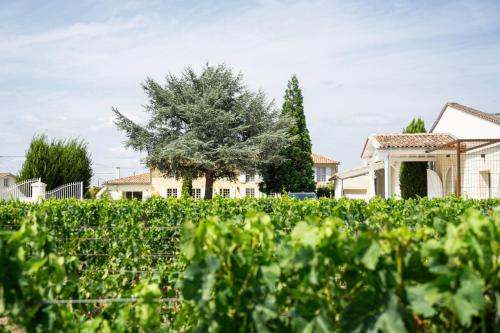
(117, 172)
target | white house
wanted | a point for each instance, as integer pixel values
(247, 184)
(6, 180)
(462, 150)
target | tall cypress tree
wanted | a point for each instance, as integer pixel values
(295, 172)
(413, 175)
(57, 162)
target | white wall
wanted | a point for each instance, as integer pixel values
(354, 188)
(117, 191)
(11, 181)
(474, 169)
(465, 126)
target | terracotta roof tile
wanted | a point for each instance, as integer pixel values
(320, 159)
(6, 174)
(417, 140)
(141, 179)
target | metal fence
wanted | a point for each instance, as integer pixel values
(469, 168)
(21, 191)
(66, 191)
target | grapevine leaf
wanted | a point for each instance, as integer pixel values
(270, 274)
(468, 301)
(419, 302)
(370, 257)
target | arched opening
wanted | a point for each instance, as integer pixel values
(449, 182)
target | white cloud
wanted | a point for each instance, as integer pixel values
(363, 68)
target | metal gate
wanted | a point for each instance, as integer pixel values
(22, 191)
(66, 191)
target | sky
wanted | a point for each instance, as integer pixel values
(365, 67)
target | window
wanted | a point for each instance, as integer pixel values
(250, 192)
(321, 174)
(171, 193)
(485, 187)
(6, 182)
(249, 177)
(133, 195)
(196, 193)
(224, 192)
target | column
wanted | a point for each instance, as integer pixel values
(387, 176)
(371, 181)
(38, 191)
(397, 189)
(339, 188)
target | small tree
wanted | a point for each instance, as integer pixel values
(187, 187)
(295, 173)
(413, 175)
(206, 124)
(57, 162)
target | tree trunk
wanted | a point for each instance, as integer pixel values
(209, 185)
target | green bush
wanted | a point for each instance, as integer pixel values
(325, 192)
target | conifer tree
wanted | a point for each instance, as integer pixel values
(413, 175)
(206, 125)
(57, 162)
(295, 172)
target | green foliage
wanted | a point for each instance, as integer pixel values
(294, 173)
(325, 191)
(206, 124)
(92, 192)
(252, 265)
(57, 162)
(413, 175)
(329, 276)
(187, 187)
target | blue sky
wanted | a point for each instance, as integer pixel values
(364, 67)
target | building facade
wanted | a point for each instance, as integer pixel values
(462, 151)
(153, 183)
(6, 180)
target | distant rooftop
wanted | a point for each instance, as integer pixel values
(141, 179)
(320, 159)
(6, 174)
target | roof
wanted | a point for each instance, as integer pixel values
(480, 114)
(141, 179)
(407, 141)
(6, 174)
(320, 159)
(360, 171)
(411, 140)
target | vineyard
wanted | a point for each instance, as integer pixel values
(247, 265)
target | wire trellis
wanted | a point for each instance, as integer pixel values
(168, 300)
(469, 168)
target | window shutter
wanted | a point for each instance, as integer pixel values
(242, 177)
(315, 174)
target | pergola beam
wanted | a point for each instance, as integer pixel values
(482, 145)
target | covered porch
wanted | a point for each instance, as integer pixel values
(383, 155)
